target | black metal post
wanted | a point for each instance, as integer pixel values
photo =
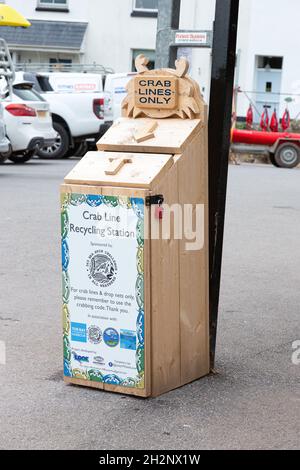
(168, 20)
(223, 66)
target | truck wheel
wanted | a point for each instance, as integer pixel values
(79, 150)
(273, 161)
(287, 155)
(60, 147)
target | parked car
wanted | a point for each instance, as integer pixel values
(28, 122)
(5, 146)
(77, 117)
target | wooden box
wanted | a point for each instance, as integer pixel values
(136, 306)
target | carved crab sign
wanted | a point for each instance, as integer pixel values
(163, 93)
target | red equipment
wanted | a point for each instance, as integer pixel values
(286, 120)
(264, 122)
(274, 125)
(261, 138)
(249, 117)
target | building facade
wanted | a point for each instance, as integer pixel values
(114, 32)
(268, 64)
(57, 34)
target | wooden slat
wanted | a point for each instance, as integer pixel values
(143, 171)
(116, 165)
(194, 317)
(172, 136)
(165, 323)
(147, 132)
(108, 388)
(80, 189)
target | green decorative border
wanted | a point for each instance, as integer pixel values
(138, 206)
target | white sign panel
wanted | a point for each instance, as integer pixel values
(191, 38)
(103, 288)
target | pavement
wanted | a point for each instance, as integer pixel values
(253, 402)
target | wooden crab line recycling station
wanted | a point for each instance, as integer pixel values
(135, 307)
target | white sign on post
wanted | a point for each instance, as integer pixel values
(191, 37)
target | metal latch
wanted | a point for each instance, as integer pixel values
(156, 200)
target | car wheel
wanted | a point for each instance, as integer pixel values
(5, 156)
(287, 155)
(60, 147)
(19, 159)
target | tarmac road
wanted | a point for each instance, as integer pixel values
(254, 400)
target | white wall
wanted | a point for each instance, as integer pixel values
(28, 9)
(113, 33)
(200, 15)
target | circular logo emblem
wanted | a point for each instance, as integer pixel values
(111, 337)
(95, 335)
(102, 268)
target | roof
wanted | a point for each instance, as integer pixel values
(46, 34)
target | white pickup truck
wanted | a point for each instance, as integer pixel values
(115, 92)
(78, 118)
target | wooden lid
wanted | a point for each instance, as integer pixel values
(169, 136)
(120, 169)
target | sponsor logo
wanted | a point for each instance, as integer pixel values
(102, 268)
(81, 359)
(111, 337)
(78, 332)
(99, 360)
(128, 340)
(95, 335)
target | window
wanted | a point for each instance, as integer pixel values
(147, 53)
(151, 5)
(60, 64)
(145, 8)
(53, 5)
(26, 93)
(269, 87)
(269, 62)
